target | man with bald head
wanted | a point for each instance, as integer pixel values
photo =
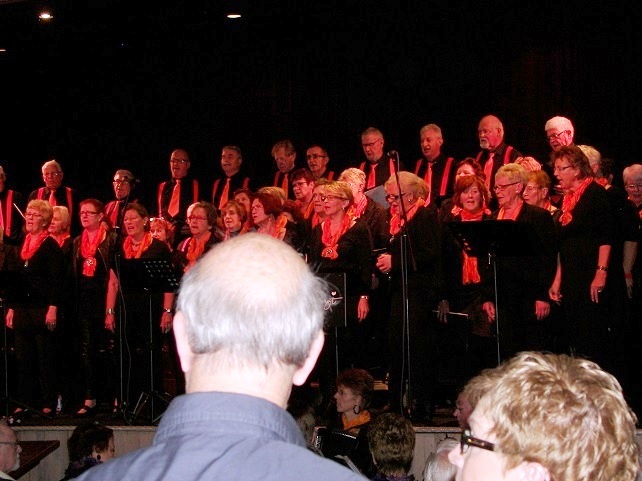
(495, 152)
(177, 194)
(9, 451)
(241, 349)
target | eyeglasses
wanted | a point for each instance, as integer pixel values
(555, 136)
(315, 156)
(178, 161)
(498, 188)
(9, 443)
(87, 212)
(31, 215)
(370, 144)
(196, 217)
(633, 186)
(561, 169)
(531, 188)
(325, 198)
(468, 440)
(120, 182)
(395, 198)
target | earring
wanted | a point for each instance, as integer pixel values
(356, 409)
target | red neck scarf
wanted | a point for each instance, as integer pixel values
(396, 222)
(331, 241)
(470, 270)
(61, 239)
(32, 244)
(502, 212)
(134, 252)
(195, 249)
(88, 250)
(570, 200)
(276, 229)
(359, 209)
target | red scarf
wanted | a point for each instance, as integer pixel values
(132, 252)
(501, 215)
(62, 239)
(278, 229)
(88, 250)
(32, 244)
(195, 249)
(470, 271)
(332, 241)
(358, 209)
(396, 222)
(570, 200)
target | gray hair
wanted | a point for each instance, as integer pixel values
(255, 299)
(514, 172)
(353, 174)
(438, 466)
(633, 170)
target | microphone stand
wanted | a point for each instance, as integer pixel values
(406, 253)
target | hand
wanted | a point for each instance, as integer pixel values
(384, 263)
(597, 286)
(9, 319)
(50, 318)
(554, 293)
(363, 309)
(489, 308)
(443, 308)
(166, 322)
(542, 310)
(110, 323)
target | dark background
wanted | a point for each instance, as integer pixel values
(110, 84)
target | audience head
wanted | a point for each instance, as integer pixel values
(60, 220)
(231, 159)
(632, 176)
(438, 466)
(471, 193)
(431, 140)
(52, 174)
(372, 143)
(179, 163)
(9, 449)
(550, 417)
(91, 439)
(490, 132)
(123, 183)
(162, 229)
(391, 439)
(354, 390)
(284, 155)
(222, 327)
(317, 158)
(559, 132)
(38, 216)
(537, 188)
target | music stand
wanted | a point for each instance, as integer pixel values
(497, 238)
(13, 288)
(151, 276)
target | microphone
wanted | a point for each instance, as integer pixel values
(393, 154)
